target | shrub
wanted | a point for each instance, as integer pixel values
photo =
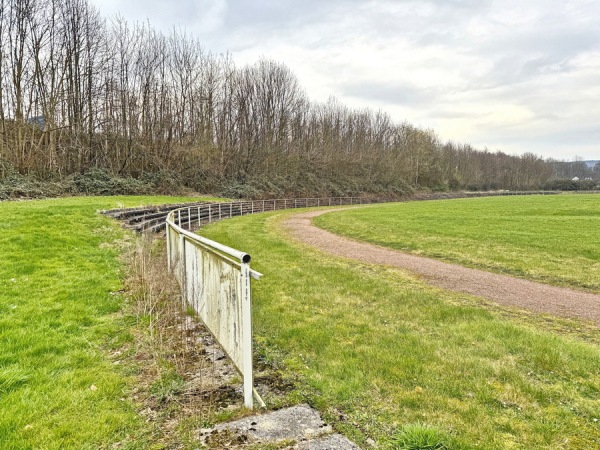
(571, 185)
(100, 182)
(163, 182)
(15, 185)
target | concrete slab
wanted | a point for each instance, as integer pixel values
(295, 423)
(300, 424)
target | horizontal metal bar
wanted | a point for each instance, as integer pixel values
(258, 398)
(256, 275)
(242, 256)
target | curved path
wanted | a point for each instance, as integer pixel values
(502, 289)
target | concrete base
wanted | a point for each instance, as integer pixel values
(301, 425)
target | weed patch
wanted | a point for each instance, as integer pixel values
(185, 382)
(417, 436)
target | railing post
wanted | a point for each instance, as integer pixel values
(219, 211)
(168, 246)
(209, 214)
(199, 221)
(183, 276)
(246, 334)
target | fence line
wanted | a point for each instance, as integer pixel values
(215, 278)
(196, 215)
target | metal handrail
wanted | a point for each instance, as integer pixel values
(197, 215)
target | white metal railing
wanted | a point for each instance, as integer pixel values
(215, 278)
(215, 282)
(194, 216)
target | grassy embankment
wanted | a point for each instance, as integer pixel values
(382, 354)
(553, 239)
(60, 283)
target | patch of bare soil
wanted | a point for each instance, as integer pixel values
(502, 289)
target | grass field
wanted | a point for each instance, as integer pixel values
(386, 357)
(553, 239)
(60, 282)
(381, 354)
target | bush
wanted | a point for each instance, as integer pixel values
(15, 185)
(236, 189)
(92, 182)
(571, 185)
(99, 182)
(165, 183)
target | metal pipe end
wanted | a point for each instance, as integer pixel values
(246, 258)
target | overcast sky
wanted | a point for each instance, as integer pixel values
(511, 75)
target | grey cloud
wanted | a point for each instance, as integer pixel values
(186, 11)
(554, 46)
(390, 94)
(439, 22)
(574, 135)
(280, 15)
(564, 143)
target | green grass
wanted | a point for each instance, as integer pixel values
(377, 352)
(60, 278)
(416, 436)
(553, 239)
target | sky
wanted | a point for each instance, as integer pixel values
(512, 75)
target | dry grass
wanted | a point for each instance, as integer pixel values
(182, 378)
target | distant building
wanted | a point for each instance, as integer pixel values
(40, 121)
(575, 179)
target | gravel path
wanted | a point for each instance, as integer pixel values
(502, 289)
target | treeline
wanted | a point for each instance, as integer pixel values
(79, 93)
(576, 169)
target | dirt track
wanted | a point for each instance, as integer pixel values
(501, 289)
